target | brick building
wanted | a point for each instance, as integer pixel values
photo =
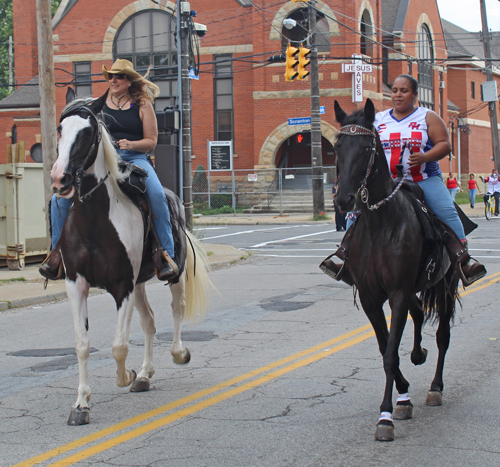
(240, 95)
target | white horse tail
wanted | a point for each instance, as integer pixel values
(198, 283)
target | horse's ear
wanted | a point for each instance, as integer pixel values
(369, 111)
(340, 115)
(70, 95)
(97, 104)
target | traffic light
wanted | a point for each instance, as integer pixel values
(291, 63)
(304, 138)
(303, 62)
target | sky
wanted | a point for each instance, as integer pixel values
(467, 13)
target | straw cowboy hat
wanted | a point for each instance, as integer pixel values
(121, 66)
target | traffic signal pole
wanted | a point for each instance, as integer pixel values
(489, 77)
(316, 157)
(187, 186)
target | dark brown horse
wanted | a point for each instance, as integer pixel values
(389, 261)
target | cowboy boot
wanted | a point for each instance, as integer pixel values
(165, 267)
(52, 267)
(470, 271)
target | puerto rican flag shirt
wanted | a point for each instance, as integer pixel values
(411, 130)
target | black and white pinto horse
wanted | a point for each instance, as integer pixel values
(103, 245)
(388, 260)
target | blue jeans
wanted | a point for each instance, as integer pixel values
(437, 198)
(453, 193)
(472, 196)
(154, 192)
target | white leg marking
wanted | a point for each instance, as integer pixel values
(124, 377)
(179, 353)
(147, 320)
(77, 295)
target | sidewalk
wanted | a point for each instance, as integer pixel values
(25, 288)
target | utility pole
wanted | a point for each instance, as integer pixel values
(489, 77)
(47, 92)
(183, 9)
(316, 156)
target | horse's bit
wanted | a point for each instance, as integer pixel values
(357, 130)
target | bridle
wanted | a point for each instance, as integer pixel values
(357, 130)
(80, 173)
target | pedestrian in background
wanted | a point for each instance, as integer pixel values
(472, 190)
(453, 185)
(493, 188)
(339, 216)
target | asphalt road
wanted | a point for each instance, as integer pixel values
(285, 371)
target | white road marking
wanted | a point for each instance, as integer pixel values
(292, 238)
(255, 230)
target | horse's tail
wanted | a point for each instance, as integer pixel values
(198, 283)
(443, 294)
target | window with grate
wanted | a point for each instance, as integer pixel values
(82, 79)
(223, 98)
(425, 68)
(147, 39)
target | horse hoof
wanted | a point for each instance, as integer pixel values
(79, 416)
(384, 432)
(184, 358)
(434, 398)
(403, 412)
(140, 385)
(422, 357)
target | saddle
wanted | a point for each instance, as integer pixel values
(134, 186)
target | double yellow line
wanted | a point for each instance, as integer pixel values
(200, 399)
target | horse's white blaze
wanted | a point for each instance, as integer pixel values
(71, 127)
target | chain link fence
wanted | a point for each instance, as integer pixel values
(257, 190)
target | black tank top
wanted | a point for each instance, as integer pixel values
(123, 124)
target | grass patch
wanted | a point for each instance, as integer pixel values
(203, 209)
(463, 198)
(15, 279)
(321, 217)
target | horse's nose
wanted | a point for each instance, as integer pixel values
(66, 182)
(345, 202)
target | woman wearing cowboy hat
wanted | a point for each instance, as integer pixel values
(131, 120)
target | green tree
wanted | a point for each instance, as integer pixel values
(6, 30)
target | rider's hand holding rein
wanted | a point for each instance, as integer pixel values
(438, 134)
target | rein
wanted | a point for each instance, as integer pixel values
(357, 130)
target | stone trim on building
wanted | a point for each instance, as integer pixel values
(267, 155)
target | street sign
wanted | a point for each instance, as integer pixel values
(321, 109)
(220, 155)
(299, 121)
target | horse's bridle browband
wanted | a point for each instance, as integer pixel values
(358, 130)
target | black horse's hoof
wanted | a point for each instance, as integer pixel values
(420, 358)
(384, 431)
(140, 385)
(79, 416)
(434, 398)
(403, 410)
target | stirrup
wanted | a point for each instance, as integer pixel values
(341, 275)
(467, 281)
(165, 267)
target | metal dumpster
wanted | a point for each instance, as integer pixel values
(23, 231)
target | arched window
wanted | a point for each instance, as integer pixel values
(366, 29)
(148, 39)
(13, 134)
(425, 69)
(299, 34)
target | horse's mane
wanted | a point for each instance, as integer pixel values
(358, 117)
